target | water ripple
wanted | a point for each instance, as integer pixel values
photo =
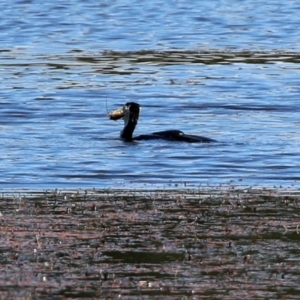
(215, 70)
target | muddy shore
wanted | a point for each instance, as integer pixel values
(220, 243)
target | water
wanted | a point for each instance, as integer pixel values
(222, 70)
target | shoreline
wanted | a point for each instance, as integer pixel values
(202, 189)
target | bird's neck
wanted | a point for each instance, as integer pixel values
(128, 130)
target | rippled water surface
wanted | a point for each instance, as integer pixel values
(219, 69)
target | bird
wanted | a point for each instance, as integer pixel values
(130, 113)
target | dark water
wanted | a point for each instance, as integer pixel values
(220, 69)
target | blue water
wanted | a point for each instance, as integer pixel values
(223, 69)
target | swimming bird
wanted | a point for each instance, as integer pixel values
(130, 113)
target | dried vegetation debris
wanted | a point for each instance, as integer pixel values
(116, 114)
(227, 243)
